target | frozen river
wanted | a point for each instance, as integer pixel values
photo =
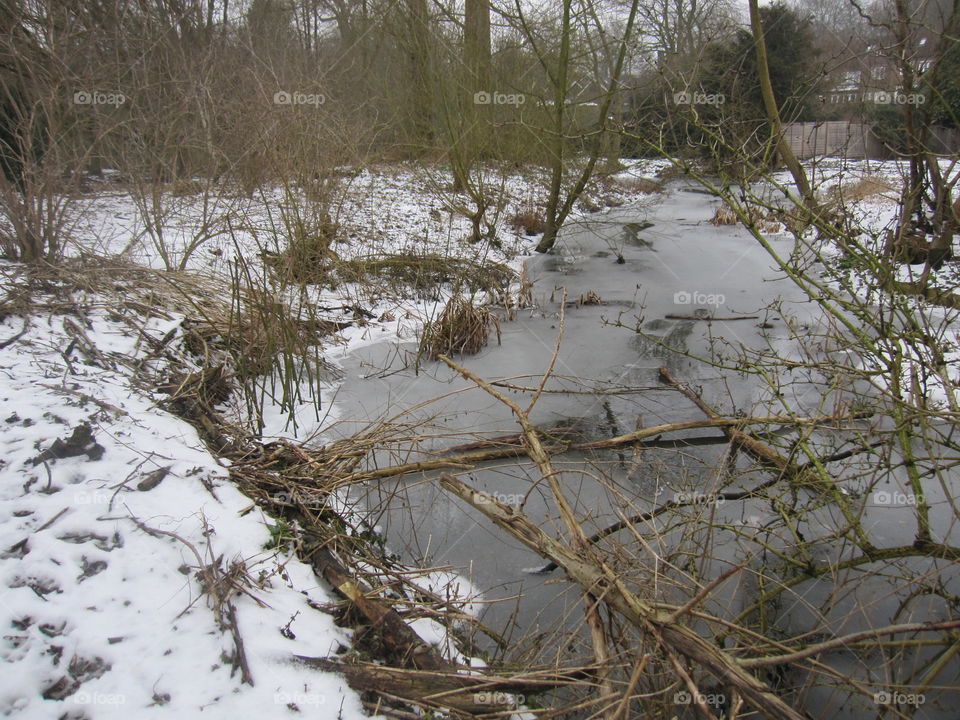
(645, 264)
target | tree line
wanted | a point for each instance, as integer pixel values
(247, 91)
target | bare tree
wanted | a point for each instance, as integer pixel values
(680, 28)
(916, 37)
(555, 48)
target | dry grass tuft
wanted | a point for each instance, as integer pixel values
(870, 186)
(462, 328)
(589, 298)
(513, 299)
(255, 329)
(724, 216)
(766, 222)
(528, 219)
(426, 272)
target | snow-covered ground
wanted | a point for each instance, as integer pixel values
(876, 214)
(115, 511)
(114, 504)
(869, 192)
(401, 208)
(381, 210)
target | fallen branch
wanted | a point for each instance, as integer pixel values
(729, 425)
(748, 443)
(603, 582)
(466, 692)
(600, 582)
(218, 585)
(848, 640)
(85, 397)
(399, 637)
(710, 318)
(578, 539)
(659, 510)
(468, 460)
(16, 336)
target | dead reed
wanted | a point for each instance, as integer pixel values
(462, 328)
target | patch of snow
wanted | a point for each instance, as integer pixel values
(100, 606)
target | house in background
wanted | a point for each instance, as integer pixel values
(859, 110)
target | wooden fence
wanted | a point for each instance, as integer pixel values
(856, 140)
(944, 141)
(834, 137)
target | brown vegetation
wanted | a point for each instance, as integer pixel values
(461, 328)
(426, 272)
(862, 188)
(528, 220)
(766, 221)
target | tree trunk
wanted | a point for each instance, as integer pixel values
(420, 95)
(553, 219)
(471, 128)
(611, 138)
(476, 44)
(773, 112)
(918, 211)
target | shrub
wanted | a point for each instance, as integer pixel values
(308, 258)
